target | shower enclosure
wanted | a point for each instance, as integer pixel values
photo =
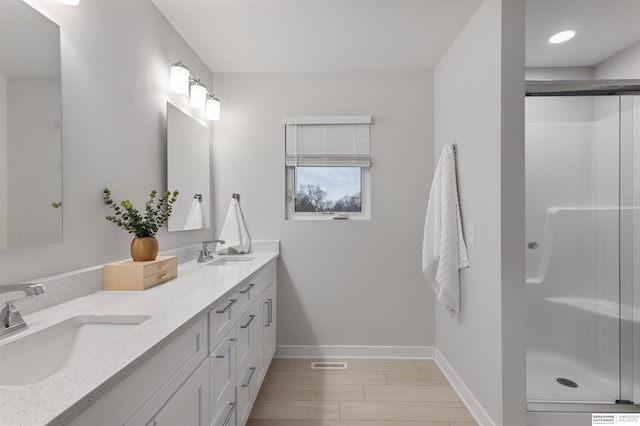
(583, 241)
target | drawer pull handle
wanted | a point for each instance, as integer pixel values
(245, 385)
(162, 265)
(226, 308)
(270, 301)
(163, 276)
(227, 350)
(251, 318)
(246, 290)
(266, 312)
(228, 418)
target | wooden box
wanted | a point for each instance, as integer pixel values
(130, 275)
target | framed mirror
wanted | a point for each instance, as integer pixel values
(188, 170)
(30, 128)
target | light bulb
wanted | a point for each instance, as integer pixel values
(212, 111)
(198, 95)
(562, 36)
(179, 82)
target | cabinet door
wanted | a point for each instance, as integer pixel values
(222, 381)
(244, 394)
(226, 415)
(244, 347)
(261, 312)
(189, 406)
(270, 325)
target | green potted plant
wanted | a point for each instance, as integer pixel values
(144, 225)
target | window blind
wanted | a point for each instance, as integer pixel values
(330, 144)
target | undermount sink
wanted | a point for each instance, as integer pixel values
(37, 356)
(229, 260)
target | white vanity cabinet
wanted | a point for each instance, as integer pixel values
(256, 352)
(238, 363)
(209, 375)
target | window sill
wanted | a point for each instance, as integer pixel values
(321, 217)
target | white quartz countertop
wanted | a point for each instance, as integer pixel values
(172, 306)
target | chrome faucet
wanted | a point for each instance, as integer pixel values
(12, 321)
(205, 253)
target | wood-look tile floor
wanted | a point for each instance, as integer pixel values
(367, 393)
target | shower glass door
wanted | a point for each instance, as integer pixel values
(580, 248)
(630, 248)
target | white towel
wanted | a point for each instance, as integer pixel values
(234, 231)
(443, 250)
(195, 219)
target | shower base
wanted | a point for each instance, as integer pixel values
(544, 368)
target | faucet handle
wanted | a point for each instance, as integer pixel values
(206, 253)
(11, 315)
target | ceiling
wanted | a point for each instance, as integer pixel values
(235, 36)
(604, 28)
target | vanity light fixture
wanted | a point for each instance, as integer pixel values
(183, 82)
(562, 36)
(212, 109)
(197, 94)
(180, 76)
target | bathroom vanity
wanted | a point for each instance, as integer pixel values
(192, 351)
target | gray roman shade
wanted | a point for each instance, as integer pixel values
(328, 141)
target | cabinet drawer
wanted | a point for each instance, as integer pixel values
(222, 378)
(262, 279)
(244, 297)
(159, 277)
(225, 416)
(245, 328)
(246, 392)
(221, 320)
(162, 264)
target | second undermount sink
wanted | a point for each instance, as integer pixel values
(37, 356)
(227, 260)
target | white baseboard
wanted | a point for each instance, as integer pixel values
(468, 399)
(373, 352)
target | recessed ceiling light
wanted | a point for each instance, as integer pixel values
(562, 36)
(70, 2)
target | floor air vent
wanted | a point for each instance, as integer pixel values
(567, 382)
(328, 365)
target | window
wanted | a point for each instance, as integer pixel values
(328, 162)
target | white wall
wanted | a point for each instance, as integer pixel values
(623, 65)
(3, 162)
(115, 72)
(563, 73)
(479, 87)
(339, 282)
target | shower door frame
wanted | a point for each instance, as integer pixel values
(628, 93)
